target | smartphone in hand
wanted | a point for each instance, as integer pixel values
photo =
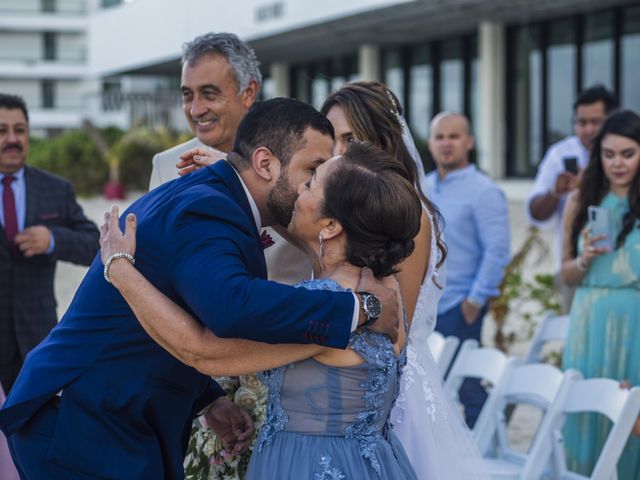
(600, 224)
(571, 164)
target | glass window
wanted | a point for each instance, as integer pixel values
(343, 71)
(630, 59)
(474, 83)
(320, 89)
(320, 85)
(48, 94)
(597, 50)
(48, 6)
(111, 3)
(561, 79)
(420, 91)
(268, 88)
(300, 83)
(49, 41)
(393, 72)
(111, 95)
(452, 76)
(527, 97)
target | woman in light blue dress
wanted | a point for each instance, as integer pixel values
(328, 416)
(328, 411)
(604, 333)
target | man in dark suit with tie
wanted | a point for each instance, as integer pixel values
(98, 398)
(41, 224)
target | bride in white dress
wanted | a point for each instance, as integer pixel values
(425, 419)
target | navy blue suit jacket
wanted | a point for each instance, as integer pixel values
(127, 405)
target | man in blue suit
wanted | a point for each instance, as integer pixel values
(98, 398)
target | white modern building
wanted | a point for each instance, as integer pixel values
(513, 66)
(44, 58)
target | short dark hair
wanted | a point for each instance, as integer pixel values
(378, 208)
(278, 124)
(597, 93)
(12, 102)
(240, 56)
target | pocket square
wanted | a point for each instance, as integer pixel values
(265, 240)
(49, 216)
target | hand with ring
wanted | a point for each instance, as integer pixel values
(591, 251)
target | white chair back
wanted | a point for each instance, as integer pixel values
(484, 363)
(552, 327)
(541, 385)
(604, 396)
(443, 350)
(533, 384)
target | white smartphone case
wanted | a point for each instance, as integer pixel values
(600, 224)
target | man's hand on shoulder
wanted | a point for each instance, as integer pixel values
(232, 423)
(197, 158)
(387, 293)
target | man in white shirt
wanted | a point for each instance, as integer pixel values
(220, 81)
(557, 176)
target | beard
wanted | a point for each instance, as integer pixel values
(282, 199)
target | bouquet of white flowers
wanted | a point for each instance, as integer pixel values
(206, 458)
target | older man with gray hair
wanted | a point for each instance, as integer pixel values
(220, 81)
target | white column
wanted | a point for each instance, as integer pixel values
(280, 77)
(491, 129)
(369, 62)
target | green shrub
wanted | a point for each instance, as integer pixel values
(135, 152)
(74, 156)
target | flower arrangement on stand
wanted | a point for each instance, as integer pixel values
(206, 458)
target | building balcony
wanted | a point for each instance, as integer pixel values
(35, 69)
(36, 21)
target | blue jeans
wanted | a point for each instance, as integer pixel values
(472, 394)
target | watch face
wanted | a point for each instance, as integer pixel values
(372, 306)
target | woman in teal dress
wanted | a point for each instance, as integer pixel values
(604, 333)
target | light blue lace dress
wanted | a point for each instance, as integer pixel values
(603, 341)
(328, 423)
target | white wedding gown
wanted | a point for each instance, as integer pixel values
(425, 419)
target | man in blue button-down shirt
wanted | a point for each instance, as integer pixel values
(477, 235)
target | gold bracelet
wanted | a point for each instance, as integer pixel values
(116, 255)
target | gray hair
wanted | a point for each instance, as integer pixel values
(240, 56)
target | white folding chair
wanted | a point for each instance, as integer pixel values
(604, 396)
(540, 385)
(443, 350)
(552, 327)
(484, 363)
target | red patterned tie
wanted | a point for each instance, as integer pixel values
(9, 206)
